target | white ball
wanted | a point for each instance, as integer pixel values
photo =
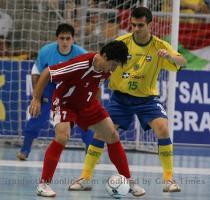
(117, 186)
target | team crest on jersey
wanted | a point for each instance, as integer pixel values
(86, 84)
(148, 58)
(136, 67)
(125, 75)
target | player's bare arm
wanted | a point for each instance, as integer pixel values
(178, 59)
(34, 79)
(35, 74)
(35, 105)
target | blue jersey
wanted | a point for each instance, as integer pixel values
(50, 55)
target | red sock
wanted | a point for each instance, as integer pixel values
(119, 159)
(51, 159)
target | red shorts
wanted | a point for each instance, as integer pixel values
(83, 118)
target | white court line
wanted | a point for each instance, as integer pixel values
(105, 167)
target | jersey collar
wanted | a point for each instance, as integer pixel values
(139, 44)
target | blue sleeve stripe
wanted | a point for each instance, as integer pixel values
(97, 143)
(165, 141)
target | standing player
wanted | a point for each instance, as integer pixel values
(56, 52)
(135, 92)
(75, 101)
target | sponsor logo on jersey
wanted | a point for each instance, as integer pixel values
(125, 75)
(138, 76)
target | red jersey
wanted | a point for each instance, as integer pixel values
(77, 82)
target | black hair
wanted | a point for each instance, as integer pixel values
(65, 28)
(116, 50)
(140, 12)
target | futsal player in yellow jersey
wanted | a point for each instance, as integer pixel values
(135, 92)
(139, 77)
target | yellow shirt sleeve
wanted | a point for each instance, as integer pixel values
(166, 64)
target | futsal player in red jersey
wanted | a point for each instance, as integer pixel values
(75, 101)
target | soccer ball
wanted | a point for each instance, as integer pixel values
(117, 186)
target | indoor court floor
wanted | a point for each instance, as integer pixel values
(18, 179)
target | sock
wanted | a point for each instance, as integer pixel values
(27, 142)
(51, 159)
(165, 150)
(94, 152)
(119, 159)
(87, 137)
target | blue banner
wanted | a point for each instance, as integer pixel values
(192, 109)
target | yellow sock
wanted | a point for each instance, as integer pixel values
(91, 159)
(165, 148)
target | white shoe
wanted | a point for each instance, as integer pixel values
(135, 189)
(45, 190)
(171, 186)
(80, 185)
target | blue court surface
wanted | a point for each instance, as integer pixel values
(18, 179)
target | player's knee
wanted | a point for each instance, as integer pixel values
(99, 136)
(62, 140)
(61, 137)
(162, 131)
(113, 137)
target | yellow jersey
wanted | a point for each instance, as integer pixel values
(139, 76)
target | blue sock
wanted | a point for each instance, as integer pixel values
(27, 142)
(87, 137)
(97, 143)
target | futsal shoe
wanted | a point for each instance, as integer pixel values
(135, 189)
(80, 185)
(171, 186)
(45, 190)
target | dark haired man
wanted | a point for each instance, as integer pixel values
(59, 51)
(75, 101)
(137, 93)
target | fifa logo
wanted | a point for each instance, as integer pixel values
(2, 107)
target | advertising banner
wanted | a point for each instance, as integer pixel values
(192, 109)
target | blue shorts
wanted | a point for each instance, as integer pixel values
(122, 108)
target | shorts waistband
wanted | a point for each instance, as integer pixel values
(118, 93)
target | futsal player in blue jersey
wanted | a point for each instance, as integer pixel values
(61, 50)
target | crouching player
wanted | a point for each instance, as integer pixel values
(75, 101)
